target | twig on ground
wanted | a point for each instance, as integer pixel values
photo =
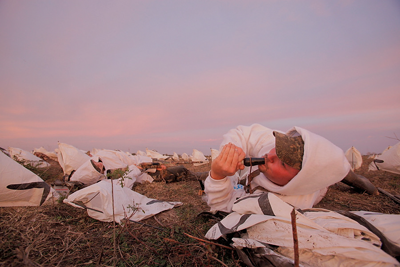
(209, 242)
(115, 240)
(394, 198)
(68, 247)
(170, 261)
(214, 258)
(158, 221)
(140, 241)
(172, 240)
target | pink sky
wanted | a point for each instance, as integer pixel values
(174, 76)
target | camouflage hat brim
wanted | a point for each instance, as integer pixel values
(289, 150)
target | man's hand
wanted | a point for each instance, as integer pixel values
(228, 162)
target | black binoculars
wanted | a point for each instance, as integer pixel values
(253, 161)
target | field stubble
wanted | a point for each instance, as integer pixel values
(61, 235)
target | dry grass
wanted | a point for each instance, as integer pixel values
(343, 197)
(61, 235)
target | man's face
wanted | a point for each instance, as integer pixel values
(275, 170)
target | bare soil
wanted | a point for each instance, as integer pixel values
(61, 235)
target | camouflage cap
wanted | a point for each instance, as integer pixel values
(289, 150)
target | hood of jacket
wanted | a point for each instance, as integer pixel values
(323, 164)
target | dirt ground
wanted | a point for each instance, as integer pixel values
(343, 197)
(61, 235)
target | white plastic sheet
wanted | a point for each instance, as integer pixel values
(326, 238)
(388, 224)
(175, 157)
(155, 155)
(185, 157)
(70, 158)
(127, 203)
(110, 159)
(27, 157)
(141, 153)
(21, 187)
(144, 178)
(354, 157)
(137, 159)
(198, 158)
(87, 174)
(390, 158)
(51, 155)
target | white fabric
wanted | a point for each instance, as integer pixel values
(354, 157)
(333, 239)
(388, 224)
(138, 159)
(198, 158)
(241, 243)
(99, 198)
(131, 176)
(155, 155)
(175, 157)
(70, 158)
(110, 159)
(87, 174)
(144, 178)
(391, 160)
(94, 151)
(372, 167)
(27, 157)
(314, 259)
(185, 157)
(51, 155)
(323, 165)
(124, 157)
(141, 153)
(128, 158)
(386, 149)
(13, 173)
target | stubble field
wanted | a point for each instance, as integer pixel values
(61, 235)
